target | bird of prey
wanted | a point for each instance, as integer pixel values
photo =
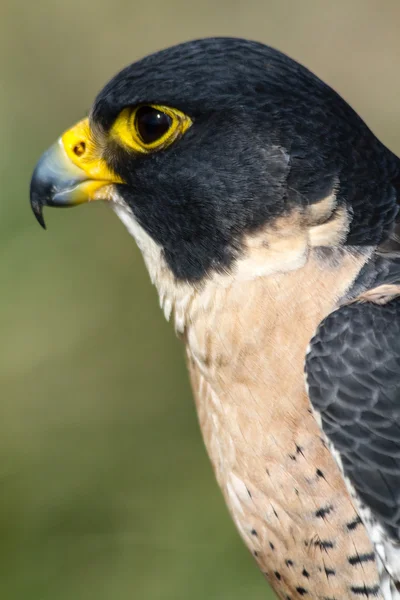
(268, 216)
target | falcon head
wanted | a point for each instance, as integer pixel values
(227, 161)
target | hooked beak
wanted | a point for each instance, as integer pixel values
(71, 172)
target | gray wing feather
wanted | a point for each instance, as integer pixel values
(353, 374)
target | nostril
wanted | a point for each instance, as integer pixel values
(79, 149)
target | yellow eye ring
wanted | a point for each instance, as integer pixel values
(149, 127)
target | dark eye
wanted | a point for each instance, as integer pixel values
(151, 124)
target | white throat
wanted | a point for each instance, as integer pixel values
(174, 296)
(280, 248)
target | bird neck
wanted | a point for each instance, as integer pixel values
(251, 334)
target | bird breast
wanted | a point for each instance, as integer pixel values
(246, 346)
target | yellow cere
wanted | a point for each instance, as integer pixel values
(85, 152)
(124, 130)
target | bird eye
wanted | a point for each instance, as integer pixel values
(148, 128)
(151, 124)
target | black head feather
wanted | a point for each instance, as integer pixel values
(267, 135)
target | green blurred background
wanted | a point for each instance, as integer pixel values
(105, 488)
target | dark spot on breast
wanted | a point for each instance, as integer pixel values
(289, 563)
(323, 511)
(249, 492)
(358, 559)
(254, 532)
(275, 513)
(329, 572)
(267, 472)
(292, 457)
(305, 573)
(296, 491)
(320, 473)
(324, 544)
(353, 524)
(255, 553)
(299, 450)
(277, 575)
(301, 591)
(366, 590)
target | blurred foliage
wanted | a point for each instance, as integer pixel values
(106, 491)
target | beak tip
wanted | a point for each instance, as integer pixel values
(37, 208)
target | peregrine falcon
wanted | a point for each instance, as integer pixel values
(268, 217)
